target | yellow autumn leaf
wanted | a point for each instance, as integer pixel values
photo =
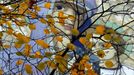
(89, 36)
(71, 46)
(27, 46)
(107, 37)
(1, 34)
(83, 40)
(101, 53)
(1, 72)
(47, 5)
(26, 52)
(42, 20)
(60, 14)
(37, 54)
(88, 66)
(19, 62)
(18, 44)
(27, 49)
(107, 45)
(117, 39)
(49, 16)
(24, 5)
(109, 64)
(9, 23)
(19, 23)
(46, 31)
(6, 10)
(41, 66)
(51, 64)
(110, 31)
(59, 59)
(89, 45)
(48, 54)
(10, 31)
(86, 57)
(100, 29)
(75, 32)
(32, 26)
(33, 15)
(22, 38)
(62, 68)
(54, 30)
(28, 69)
(20, 10)
(62, 21)
(51, 21)
(37, 8)
(59, 38)
(42, 43)
(62, 63)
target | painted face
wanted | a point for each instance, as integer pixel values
(66, 11)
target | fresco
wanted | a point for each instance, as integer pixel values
(66, 37)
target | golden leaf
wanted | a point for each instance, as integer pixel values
(62, 68)
(100, 29)
(33, 14)
(42, 20)
(1, 34)
(54, 30)
(48, 54)
(62, 21)
(19, 53)
(37, 54)
(19, 62)
(89, 45)
(46, 31)
(107, 45)
(107, 37)
(18, 44)
(27, 50)
(86, 57)
(28, 69)
(51, 64)
(42, 43)
(47, 5)
(71, 46)
(75, 32)
(1, 72)
(51, 21)
(22, 38)
(101, 53)
(41, 66)
(109, 64)
(10, 31)
(32, 26)
(37, 8)
(59, 38)
(83, 40)
(117, 39)
(60, 14)
(89, 36)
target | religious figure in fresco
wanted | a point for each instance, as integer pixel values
(76, 10)
(61, 37)
(113, 53)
